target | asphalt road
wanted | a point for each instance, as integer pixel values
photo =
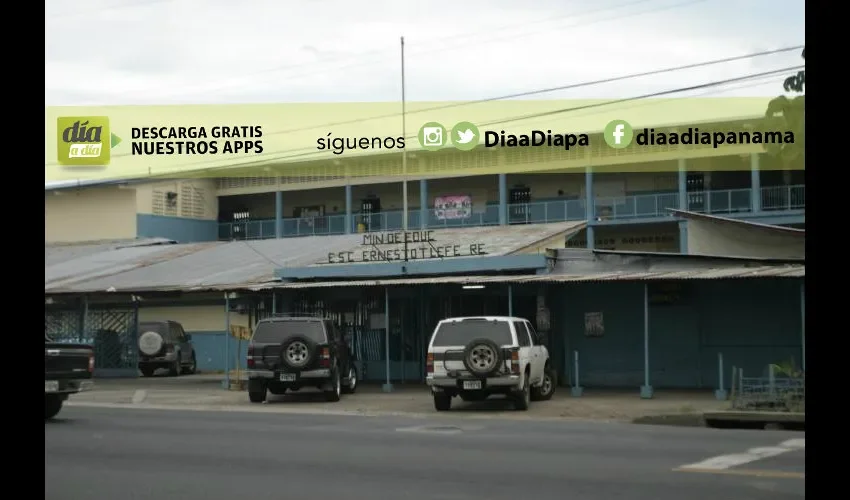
(105, 454)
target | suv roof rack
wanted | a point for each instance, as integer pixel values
(296, 315)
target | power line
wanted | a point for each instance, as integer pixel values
(529, 93)
(276, 157)
(233, 84)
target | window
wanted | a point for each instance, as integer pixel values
(522, 334)
(535, 338)
(274, 332)
(192, 203)
(460, 333)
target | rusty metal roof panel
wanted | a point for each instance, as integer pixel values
(243, 264)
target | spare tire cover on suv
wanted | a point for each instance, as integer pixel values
(150, 343)
(298, 352)
(482, 357)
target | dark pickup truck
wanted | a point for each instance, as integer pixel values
(68, 370)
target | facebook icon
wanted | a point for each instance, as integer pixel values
(618, 134)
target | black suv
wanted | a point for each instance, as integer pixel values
(288, 353)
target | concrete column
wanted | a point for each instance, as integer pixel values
(278, 214)
(683, 237)
(503, 199)
(388, 386)
(646, 388)
(755, 181)
(424, 216)
(590, 208)
(348, 215)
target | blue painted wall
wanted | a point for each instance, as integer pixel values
(752, 323)
(210, 347)
(180, 229)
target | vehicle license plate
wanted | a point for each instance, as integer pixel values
(471, 384)
(287, 377)
(51, 385)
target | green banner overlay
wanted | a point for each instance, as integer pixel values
(355, 140)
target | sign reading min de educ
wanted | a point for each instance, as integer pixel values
(410, 245)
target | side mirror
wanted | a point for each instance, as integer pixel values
(188, 338)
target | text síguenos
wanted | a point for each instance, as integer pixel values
(537, 138)
(339, 145)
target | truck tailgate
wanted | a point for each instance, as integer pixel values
(67, 361)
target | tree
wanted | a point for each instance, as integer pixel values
(789, 114)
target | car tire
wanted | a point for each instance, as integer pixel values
(522, 399)
(192, 368)
(351, 384)
(547, 388)
(52, 405)
(477, 352)
(333, 395)
(308, 350)
(147, 372)
(175, 368)
(257, 395)
(442, 401)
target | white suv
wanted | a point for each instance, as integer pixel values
(476, 357)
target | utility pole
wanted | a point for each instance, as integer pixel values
(403, 134)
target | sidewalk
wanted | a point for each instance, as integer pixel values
(205, 391)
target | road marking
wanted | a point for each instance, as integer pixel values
(725, 462)
(779, 474)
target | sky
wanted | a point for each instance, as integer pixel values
(111, 52)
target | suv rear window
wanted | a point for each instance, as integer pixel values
(160, 328)
(275, 332)
(460, 333)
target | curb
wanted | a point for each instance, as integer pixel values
(675, 419)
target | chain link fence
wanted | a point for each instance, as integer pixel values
(770, 394)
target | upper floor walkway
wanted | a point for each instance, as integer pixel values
(774, 201)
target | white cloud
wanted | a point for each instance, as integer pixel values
(207, 51)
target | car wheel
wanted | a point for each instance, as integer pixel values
(193, 366)
(351, 383)
(523, 399)
(175, 368)
(52, 405)
(442, 401)
(336, 388)
(256, 391)
(547, 388)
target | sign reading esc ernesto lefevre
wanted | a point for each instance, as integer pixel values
(219, 139)
(414, 245)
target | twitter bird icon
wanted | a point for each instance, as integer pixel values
(465, 136)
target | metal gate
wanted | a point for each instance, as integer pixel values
(112, 332)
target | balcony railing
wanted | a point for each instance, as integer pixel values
(645, 206)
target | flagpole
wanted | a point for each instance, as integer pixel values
(403, 134)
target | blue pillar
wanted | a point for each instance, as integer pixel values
(388, 386)
(683, 188)
(646, 388)
(590, 208)
(226, 382)
(683, 237)
(510, 300)
(503, 199)
(278, 214)
(424, 216)
(755, 181)
(348, 215)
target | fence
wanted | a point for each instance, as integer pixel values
(773, 394)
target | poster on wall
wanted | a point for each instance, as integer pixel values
(453, 207)
(594, 325)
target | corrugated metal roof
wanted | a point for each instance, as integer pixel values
(234, 265)
(740, 222)
(790, 271)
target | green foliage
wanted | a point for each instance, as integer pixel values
(789, 114)
(788, 369)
